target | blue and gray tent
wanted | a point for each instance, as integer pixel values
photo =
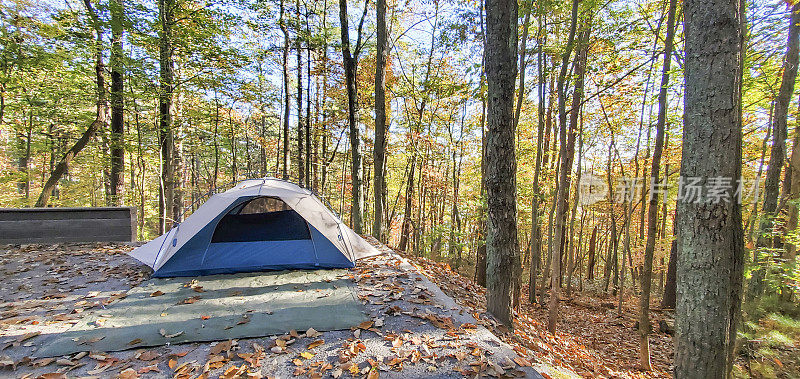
(260, 224)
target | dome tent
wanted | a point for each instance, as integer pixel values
(259, 224)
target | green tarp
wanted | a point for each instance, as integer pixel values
(211, 308)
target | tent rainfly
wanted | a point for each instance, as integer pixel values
(260, 224)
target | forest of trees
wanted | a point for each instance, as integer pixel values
(468, 132)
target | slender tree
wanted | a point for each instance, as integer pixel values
(567, 152)
(117, 177)
(379, 152)
(652, 211)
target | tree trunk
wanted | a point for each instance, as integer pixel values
(591, 253)
(652, 210)
(710, 240)
(350, 65)
(668, 301)
(166, 14)
(298, 46)
(536, 228)
(287, 97)
(379, 152)
(502, 254)
(117, 177)
(567, 152)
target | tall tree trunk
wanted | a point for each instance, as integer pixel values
(117, 177)
(710, 240)
(379, 152)
(350, 62)
(287, 97)
(300, 120)
(502, 254)
(166, 9)
(652, 210)
(536, 228)
(567, 151)
(100, 121)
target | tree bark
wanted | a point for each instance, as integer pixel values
(710, 237)
(502, 254)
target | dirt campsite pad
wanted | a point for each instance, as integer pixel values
(165, 311)
(413, 329)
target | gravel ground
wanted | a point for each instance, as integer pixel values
(415, 329)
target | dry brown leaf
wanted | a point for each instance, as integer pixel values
(128, 373)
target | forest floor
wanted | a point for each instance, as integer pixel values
(591, 339)
(415, 330)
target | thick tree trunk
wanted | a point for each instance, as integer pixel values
(652, 210)
(502, 254)
(567, 152)
(379, 152)
(710, 240)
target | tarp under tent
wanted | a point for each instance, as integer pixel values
(258, 225)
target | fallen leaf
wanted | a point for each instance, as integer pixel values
(311, 333)
(157, 293)
(128, 373)
(315, 344)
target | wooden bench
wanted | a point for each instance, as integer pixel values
(54, 225)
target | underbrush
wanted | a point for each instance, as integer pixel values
(770, 340)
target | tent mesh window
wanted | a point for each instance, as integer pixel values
(261, 219)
